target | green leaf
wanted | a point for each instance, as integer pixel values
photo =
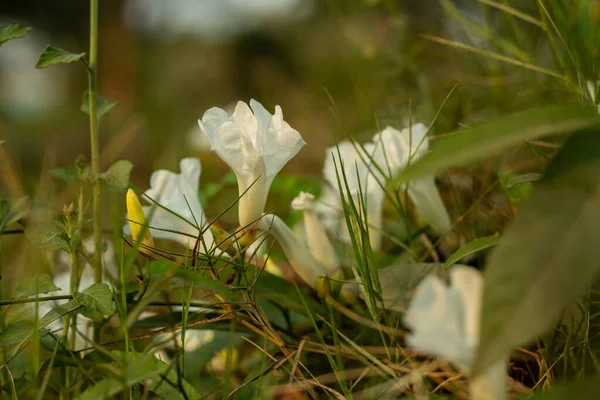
(118, 174)
(58, 312)
(97, 297)
(32, 286)
(167, 386)
(68, 175)
(12, 211)
(13, 31)
(208, 283)
(139, 368)
(54, 55)
(517, 188)
(22, 330)
(586, 388)
(482, 140)
(103, 105)
(273, 313)
(473, 247)
(548, 257)
(282, 292)
(16, 333)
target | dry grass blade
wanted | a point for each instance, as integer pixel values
(514, 12)
(494, 56)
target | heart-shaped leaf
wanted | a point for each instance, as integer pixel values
(13, 31)
(97, 297)
(53, 55)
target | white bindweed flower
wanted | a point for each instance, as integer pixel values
(445, 322)
(360, 181)
(256, 145)
(179, 194)
(316, 237)
(296, 251)
(393, 151)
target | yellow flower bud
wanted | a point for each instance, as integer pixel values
(138, 223)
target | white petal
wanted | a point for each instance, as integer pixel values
(179, 194)
(316, 237)
(253, 192)
(429, 204)
(263, 118)
(394, 149)
(359, 179)
(374, 200)
(190, 173)
(163, 222)
(329, 209)
(436, 318)
(211, 120)
(347, 164)
(287, 140)
(418, 140)
(247, 123)
(469, 282)
(299, 256)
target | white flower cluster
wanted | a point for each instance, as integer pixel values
(256, 145)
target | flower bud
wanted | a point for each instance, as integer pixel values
(140, 232)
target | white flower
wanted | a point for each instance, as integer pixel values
(393, 151)
(256, 145)
(316, 237)
(296, 251)
(179, 194)
(445, 322)
(359, 180)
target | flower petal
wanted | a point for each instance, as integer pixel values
(316, 237)
(469, 282)
(299, 256)
(210, 122)
(246, 122)
(179, 194)
(429, 205)
(436, 317)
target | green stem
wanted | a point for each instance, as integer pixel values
(38, 299)
(93, 61)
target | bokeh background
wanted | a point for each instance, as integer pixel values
(336, 67)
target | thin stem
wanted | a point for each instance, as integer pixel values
(95, 149)
(38, 299)
(94, 138)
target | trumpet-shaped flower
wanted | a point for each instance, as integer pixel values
(445, 322)
(295, 249)
(316, 237)
(177, 194)
(393, 151)
(362, 188)
(256, 145)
